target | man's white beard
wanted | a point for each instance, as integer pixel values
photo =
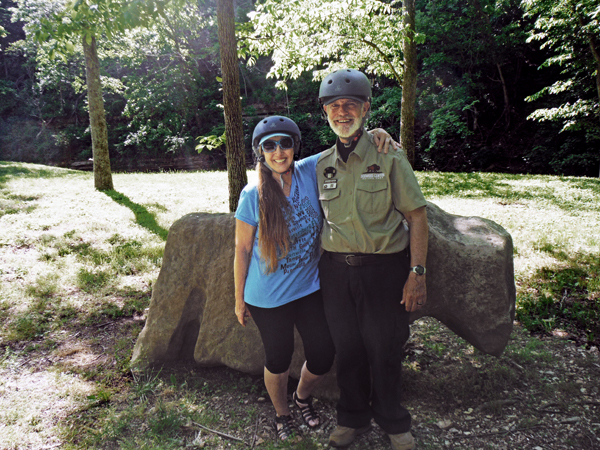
(340, 130)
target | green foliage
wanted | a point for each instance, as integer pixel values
(100, 398)
(154, 80)
(134, 303)
(467, 97)
(92, 280)
(570, 31)
(321, 36)
(7, 95)
(165, 422)
(210, 142)
(386, 106)
(146, 384)
(161, 81)
(44, 287)
(532, 354)
(27, 327)
(448, 119)
(64, 27)
(567, 297)
(22, 139)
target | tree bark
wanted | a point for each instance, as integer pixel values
(409, 83)
(102, 174)
(596, 55)
(506, 111)
(234, 133)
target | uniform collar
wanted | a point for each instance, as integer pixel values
(365, 141)
(360, 149)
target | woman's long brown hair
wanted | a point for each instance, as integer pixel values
(273, 235)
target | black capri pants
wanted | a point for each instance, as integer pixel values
(276, 326)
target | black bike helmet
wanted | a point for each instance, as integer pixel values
(345, 83)
(272, 125)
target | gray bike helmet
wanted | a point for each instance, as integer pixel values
(272, 125)
(345, 83)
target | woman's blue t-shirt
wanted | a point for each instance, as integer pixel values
(297, 274)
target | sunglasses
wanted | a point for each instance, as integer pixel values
(286, 143)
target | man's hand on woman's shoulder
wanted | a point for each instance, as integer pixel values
(383, 140)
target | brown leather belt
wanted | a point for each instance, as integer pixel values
(353, 259)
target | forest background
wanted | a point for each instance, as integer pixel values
(503, 86)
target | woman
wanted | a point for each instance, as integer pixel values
(276, 275)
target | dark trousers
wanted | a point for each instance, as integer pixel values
(369, 328)
(276, 326)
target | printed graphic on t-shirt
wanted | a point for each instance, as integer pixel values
(304, 231)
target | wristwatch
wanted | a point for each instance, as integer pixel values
(419, 270)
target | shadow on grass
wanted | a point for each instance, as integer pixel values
(565, 297)
(10, 170)
(17, 203)
(500, 186)
(143, 217)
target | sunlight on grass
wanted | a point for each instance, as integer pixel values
(78, 242)
(31, 404)
(73, 258)
(538, 208)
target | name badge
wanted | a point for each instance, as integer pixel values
(330, 184)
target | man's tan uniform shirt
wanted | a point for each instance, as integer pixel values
(363, 199)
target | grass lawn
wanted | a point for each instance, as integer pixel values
(77, 268)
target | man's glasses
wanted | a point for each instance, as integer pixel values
(285, 143)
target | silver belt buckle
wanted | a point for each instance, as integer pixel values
(348, 261)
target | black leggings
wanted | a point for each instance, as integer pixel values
(276, 326)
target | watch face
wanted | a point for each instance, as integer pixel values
(419, 270)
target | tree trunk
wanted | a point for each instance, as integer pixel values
(409, 83)
(506, 111)
(234, 133)
(102, 175)
(596, 55)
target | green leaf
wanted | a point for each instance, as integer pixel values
(328, 34)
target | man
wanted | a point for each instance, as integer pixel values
(373, 268)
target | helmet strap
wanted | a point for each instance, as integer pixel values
(261, 158)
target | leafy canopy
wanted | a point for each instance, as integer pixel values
(324, 35)
(68, 21)
(570, 29)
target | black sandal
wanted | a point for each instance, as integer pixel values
(287, 429)
(307, 410)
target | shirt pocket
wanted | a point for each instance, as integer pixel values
(331, 204)
(372, 196)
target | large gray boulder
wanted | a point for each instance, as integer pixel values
(470, 286)
(470, 279)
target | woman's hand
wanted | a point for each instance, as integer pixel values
(242, 312)
(383, 140)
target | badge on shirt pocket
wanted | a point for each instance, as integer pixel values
(330, 184)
